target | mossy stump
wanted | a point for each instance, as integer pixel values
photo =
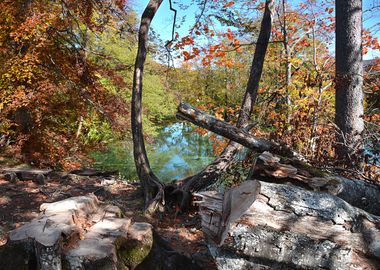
(77, 233)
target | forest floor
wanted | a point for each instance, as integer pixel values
(20, 202)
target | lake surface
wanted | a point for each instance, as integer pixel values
(178, 151)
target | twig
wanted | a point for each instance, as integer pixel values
(175, 17)
(347, 170)
(202, 11)
(169, 42)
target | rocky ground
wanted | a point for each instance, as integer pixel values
(20, 201)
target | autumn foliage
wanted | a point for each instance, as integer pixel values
(47, 82)
(296, 98)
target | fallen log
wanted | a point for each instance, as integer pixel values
(288, 227)
(358, 193)
(200, 118)
(15, 174)
(92, 172)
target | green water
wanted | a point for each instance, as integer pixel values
(175, 153)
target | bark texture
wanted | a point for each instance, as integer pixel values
(349, 81)
(257, 65)
(153, 188)
(288, 227)
(358, 193)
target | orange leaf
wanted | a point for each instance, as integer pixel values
(228, 4)
(229, 34)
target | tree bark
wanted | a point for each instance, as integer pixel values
(257, 65)
(349, 82)
(212, 172)
(241, 136)
(288, 64)
(287, 227)
(153, 188)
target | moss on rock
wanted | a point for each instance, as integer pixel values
(132, 252)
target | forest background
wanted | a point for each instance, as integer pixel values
(67, 67)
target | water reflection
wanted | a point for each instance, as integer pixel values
(178, 151)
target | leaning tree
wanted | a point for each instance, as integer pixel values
(154, 190)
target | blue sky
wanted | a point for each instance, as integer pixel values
(163, 20)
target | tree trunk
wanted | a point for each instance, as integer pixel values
(288, 64)
(257, 65)
(349, 82)
(241, 136)
(153, 188)
(212, 172)
(287, 227)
